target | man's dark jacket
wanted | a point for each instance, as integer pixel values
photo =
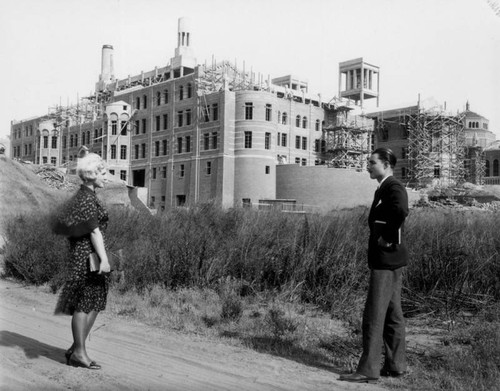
(386, 218)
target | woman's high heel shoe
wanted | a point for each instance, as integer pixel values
(68, 354)
(76, 363)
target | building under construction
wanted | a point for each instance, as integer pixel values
(429, 143)
(221, 132)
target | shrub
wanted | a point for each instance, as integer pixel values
(32, 252)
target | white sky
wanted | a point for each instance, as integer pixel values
(445, 49)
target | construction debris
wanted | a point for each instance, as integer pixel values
(55, 178)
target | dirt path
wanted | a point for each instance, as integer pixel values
(134, 356)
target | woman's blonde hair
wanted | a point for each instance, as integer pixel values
(89, 166)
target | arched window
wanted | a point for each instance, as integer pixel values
(284, 119)
(477, 124)
(181, 92)
(158, 98)
(495, 167)
(165, 96)
(487, 168)
(189, 90)
(83, 138)
(89, 141)
(304, 122)
(297, 121)
(317, 125)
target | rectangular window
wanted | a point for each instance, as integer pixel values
(158, 98)
(267, 141)
(179, 144)
(44, 159)
(208, 168)
(123, 128)
(137, 128)
(113, 127)
(45, 141)
(157, 120)
(54, 142)
(269, 111)
(206, 141)
(304, 143)
(165, 121)
(145, 102)
(136, 151)
(53, 160)
(215, 112)
(188, 117)
(248, 139)
(283, 139)
(153, 175)
(164, 172)
(123, 152)
(157, 148)
(304, 162)
(179, 118)
(316, 145)
(144, 125)
(113, 152)
(297, 160)
(214, 140)
(297, 142)
(248, 110)
(268, 169)
(278, 139)
(165, 147)
(138, 103)
(181, 170)
(123, 175)
(188, 143)
(165, 96)
(143, 151)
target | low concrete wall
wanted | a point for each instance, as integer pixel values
(324, 188)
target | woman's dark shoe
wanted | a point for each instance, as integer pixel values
(68, 354)
(76, 363)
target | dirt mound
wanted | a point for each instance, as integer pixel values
(22, 191)
(25, 188)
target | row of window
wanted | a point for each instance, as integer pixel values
(282, 140)
(162, 97)
(282, 117)
(475, 125)
(28, 131)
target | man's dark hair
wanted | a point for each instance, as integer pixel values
(386, 155)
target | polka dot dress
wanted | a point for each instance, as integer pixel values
(84, 291)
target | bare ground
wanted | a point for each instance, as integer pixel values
(134, 356)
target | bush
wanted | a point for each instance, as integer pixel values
(33, 253)
(454, 261)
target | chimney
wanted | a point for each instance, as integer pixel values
(107, 71)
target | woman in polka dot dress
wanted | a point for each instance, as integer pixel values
(84, 221)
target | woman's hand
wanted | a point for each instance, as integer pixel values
(104, 267)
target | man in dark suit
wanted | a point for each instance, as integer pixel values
(383, 321)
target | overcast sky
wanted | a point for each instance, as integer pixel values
(445, 49)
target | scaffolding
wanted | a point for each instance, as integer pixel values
(475, 165)
(347, 139)
(226, 76)
(436, 149)
(64, 116)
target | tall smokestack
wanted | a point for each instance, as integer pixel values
(107, 71)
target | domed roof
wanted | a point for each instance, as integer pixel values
(472, 114)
